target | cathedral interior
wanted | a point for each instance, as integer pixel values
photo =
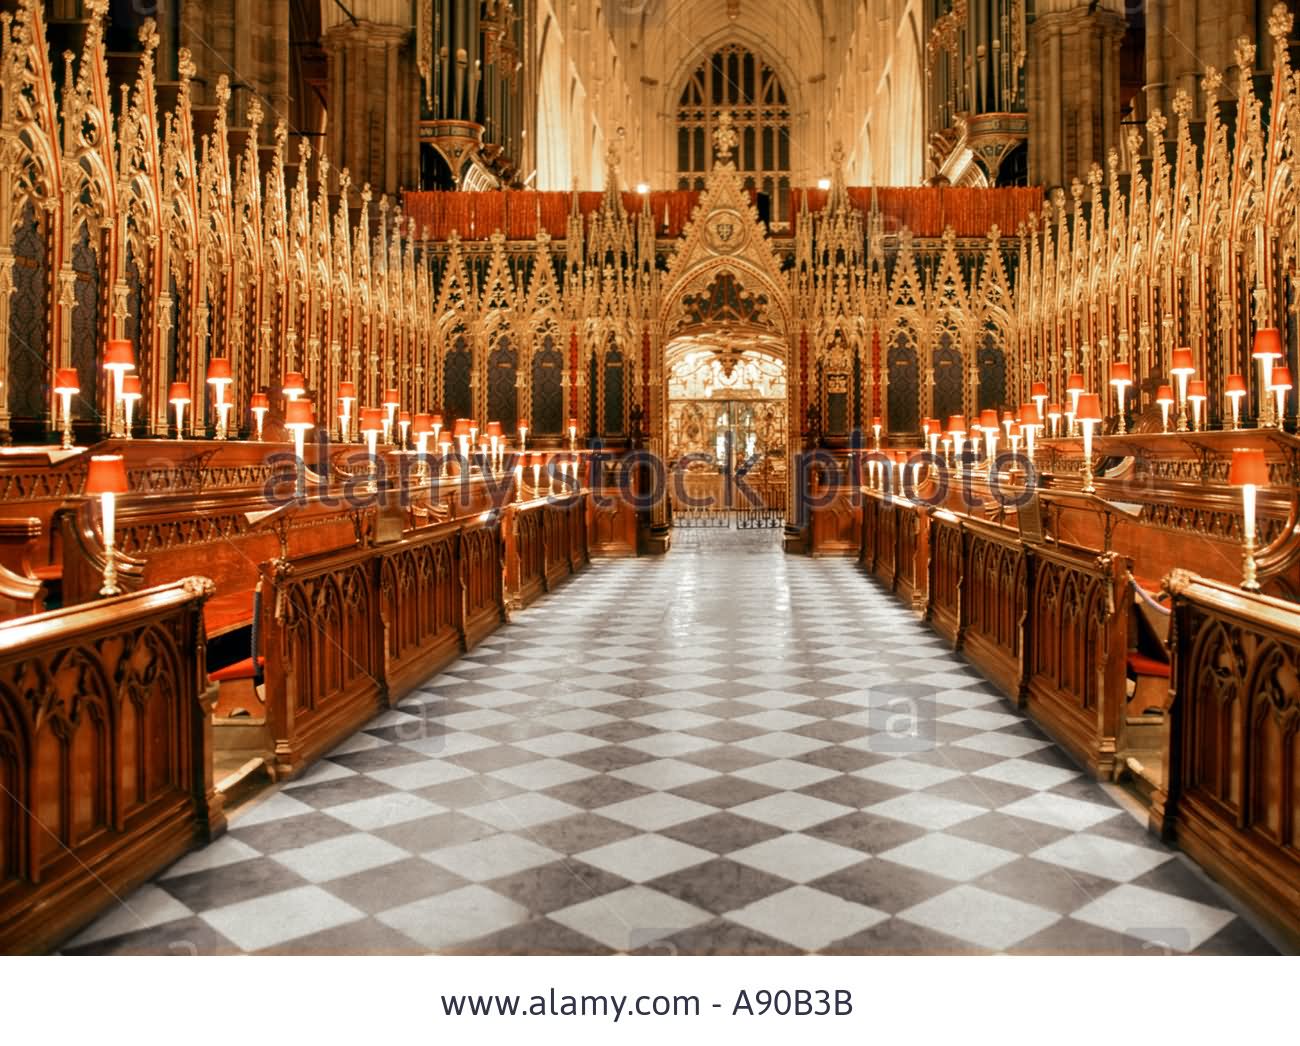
(584, 477)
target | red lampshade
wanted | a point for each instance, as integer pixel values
(179, 392)
(66, 380)
(494, 428)
(259, 401)
(462, 427)
(294, 384)
(106, 475)
(483, 441)
(119, 354)
(988, 419)
(1089, 407)
(1235, 385)
(1268, 343)
(573, 424)
(1196, 390)
(422, 423)
(298, 414)
(1248, 466)
(875, 423)
(1029, 415)
(219, 370)
(391, 396)
(404, 417)
(1182, 363)
(372, 419)
(1015, 429)
(1054, 410)
(1121, 374)
(347, 390)
(1007, 416)
(1075, 383)
(1280, 378)
(1165, 394)
(537, 460)
(444, 439)
(957, 424)
(436, 420)
(131, 386)
(1039, 388)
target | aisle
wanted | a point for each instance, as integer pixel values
(723, 750)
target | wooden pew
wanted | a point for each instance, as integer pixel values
(105, 756)
(1233, 800)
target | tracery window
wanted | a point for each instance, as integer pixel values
(737, 81)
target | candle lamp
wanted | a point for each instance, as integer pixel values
(1008, 419)
(1196, 397)
(1280, 378)
(1249, 471)
(1121, 376)
(462, 434)
(372, 426)
(1089, 415)
(259, 403)
(1038, 393)
(347, 397)
(1074, 388)
(932, 434)
(392, 401)
(219, 376)
(403, 427)
(131, 395)
(444, 452)
(536, 460)
(1182, 369)
(1030, 420)
(1054, 415)
(573, 433)
(179, 396)
(495, 442)
(1267, 348)
(956, 430)
(298, 418)
(1165, 398)
(106, 478)
(876, 426)
(1014, 435)
(66, 385)
(294, 386)
(119, 357)
(437, 426)
(422, 429)
(523, 437)
(473, 431)
(1234, 390)
(989, 425)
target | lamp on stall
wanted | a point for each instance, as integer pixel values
(933, 434)
(372, 426)
(294, 386)
(1030, 420)
(523, 435)
(1267, 348)
(1054, 419)
(461, 432)
(1089, 415)
(989, 423)
(1165, 398)
(1038, 393)
(403, 427)
(298, 418)
(1235, 389)
(131, 395)
(347, 397)
(106, 478)
(484, 449)
(1249, 471)
(536, 460)
(956, 430)
(1280, 384)
(1182, 369)
(219, 376)
(66, 385)
(473, 430)
(1121, 376)
(1007, 419)
(436, 423)
(179, 397)
(444, 451)
(495, 442)
(519, 476)
(422, 429)
(1074, 388)
(119, 357)
(259, 403)
(1196, 397)
(392, 400)
(573, 433)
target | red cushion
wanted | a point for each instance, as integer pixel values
(1147, 666)
(239, 670)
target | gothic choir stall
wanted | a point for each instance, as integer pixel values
(441, 454)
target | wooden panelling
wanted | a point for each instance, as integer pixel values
(995, 580)
(105, 756)
(1234, 783)
(943, 607)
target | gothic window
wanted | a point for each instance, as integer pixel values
(503, 395)
(457, 400)
(736, 81)
(947, 379)
(614, 378)
(992, 371)
(85, 314)
(27, 325)
(902, 385)
(548, 376)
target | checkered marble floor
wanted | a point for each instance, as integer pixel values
(725, 750)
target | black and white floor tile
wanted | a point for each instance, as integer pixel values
(725, 750)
